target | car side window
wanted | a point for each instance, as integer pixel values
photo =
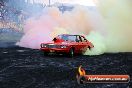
(83, 39)
(78, 39)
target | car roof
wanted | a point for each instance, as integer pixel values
(70, 35)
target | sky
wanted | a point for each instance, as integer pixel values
(80, 2)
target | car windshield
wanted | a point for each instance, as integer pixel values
(68, 37)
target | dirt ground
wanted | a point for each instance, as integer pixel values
(28, 68)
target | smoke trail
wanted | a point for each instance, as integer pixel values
(117, 18)
(108, 26)
(99, 43)
(53, 22)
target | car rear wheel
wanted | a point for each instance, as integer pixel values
(71, 52)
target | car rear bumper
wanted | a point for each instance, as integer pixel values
(55, 50)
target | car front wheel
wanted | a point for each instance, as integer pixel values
(71, 52)
(45, 53)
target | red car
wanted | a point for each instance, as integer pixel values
(66, 43)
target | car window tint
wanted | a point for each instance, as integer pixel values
(78, 39)
(68, 37)
(72, 38)
(65, 37)
(83, 39)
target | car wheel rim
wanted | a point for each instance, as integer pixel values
(72, 53)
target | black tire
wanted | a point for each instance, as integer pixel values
(45, 53)
(71, 52)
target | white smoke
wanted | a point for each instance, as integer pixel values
(107, 26)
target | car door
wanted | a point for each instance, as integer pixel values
(84, 44)
(78, 44)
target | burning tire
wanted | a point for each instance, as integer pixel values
(71, 52)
